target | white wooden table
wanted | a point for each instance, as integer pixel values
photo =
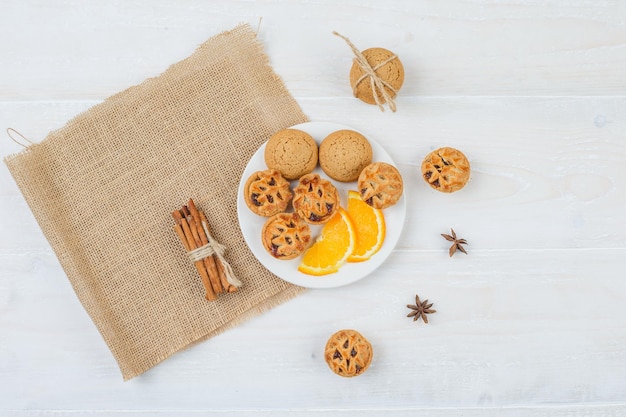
(531, 323)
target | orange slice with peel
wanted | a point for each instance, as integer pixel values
(332, 248)
(369, 224)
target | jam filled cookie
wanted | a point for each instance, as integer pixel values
(267, 192)
(348, 353)
(315, 199)
(446, 169)
(343, 155)
(292, 152)
(285, 236)
(380, 185)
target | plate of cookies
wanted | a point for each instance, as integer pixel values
(321, 205)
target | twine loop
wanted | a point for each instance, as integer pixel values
(11, 131)
(377, 84)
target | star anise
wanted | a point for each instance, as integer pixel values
(456, 243)
(420, 309)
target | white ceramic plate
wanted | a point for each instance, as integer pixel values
(251, 224)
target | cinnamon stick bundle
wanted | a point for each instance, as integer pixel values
(193, 231)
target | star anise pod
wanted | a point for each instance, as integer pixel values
(456, 243)
(420, 309)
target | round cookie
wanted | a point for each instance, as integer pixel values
(446, 169)
(380, 185)
(343, 154)
(292, 152)
(348, 353)
(285, 236)
(391, 73)
(267, 192)
(315, 199)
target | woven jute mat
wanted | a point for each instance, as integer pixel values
(102, 189)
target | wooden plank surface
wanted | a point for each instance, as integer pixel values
(531, 323)
(68, 50)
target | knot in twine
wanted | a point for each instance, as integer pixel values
(378, 84)
(217, 249)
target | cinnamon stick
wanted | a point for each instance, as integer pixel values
(222, 274)
(210, 261)
(190, 244)
(181, 235)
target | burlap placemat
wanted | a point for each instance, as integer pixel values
(102, 189)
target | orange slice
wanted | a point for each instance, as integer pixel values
(369, 225)
(332, 248)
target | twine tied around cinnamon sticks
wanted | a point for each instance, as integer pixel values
(204, 251)
(378, 84)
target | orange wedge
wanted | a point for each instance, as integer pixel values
(332, 248)
(369, 224)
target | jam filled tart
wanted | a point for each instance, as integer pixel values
(380, 185)
(315, 199)
(348, 353)
(267, 192)
(446, 169)
(285, 236)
